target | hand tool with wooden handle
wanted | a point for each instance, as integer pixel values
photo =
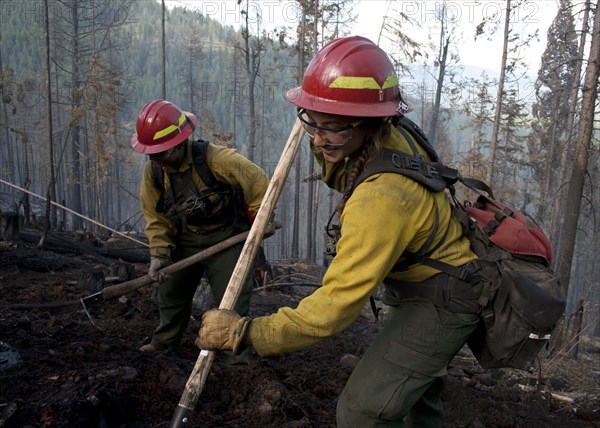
(195, 383)
(119, 290)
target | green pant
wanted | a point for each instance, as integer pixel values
(400, 380)
(176, 294)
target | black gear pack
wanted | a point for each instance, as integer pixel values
(510, 285)
(220, 203)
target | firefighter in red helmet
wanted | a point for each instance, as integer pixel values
(349, 104)
(161, 125)
(193, 195)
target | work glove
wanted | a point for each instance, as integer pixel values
(222, 329)
(156, 264)
(275, 224)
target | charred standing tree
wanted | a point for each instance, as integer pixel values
(553, 90)
(252, 52)
(582, 148)
(75, 170)
(51, 192)
(498, 114)
(445, 60)
(566, 158)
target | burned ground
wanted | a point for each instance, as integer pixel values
(57, 369)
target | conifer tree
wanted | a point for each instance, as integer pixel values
(583, 146)
(553, 88)
(566, 156)
(511, 69)
(479, 108)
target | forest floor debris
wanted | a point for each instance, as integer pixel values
(58, 370)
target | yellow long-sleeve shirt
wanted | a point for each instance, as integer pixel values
(227, 166)
(386, 215)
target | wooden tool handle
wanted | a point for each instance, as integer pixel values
(119, 290)
(195, 383)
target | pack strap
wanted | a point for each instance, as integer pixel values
(454, 271)
(199, 149)
(499, 217)
(434, 176)
(374, 308)
(407, 136)
(404, 125)
(424, 250)
(443, 290)
(157, 175)
(477, 186)
(233, 210)
(410, 259)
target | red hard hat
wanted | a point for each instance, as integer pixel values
(160, 126)
(350, 76)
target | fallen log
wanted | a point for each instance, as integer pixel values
(68, 244)
(38, 261)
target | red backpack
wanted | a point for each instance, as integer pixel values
(525, 297)
(518, 296)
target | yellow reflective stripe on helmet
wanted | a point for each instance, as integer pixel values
(390, 82)
(354, 82)
(169, 129)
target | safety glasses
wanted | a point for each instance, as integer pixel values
(162, 155)
(311, 128)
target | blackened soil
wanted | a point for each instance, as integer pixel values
(57, 369)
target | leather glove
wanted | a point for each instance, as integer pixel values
(156, 264)
(275, 225)
(222, 329)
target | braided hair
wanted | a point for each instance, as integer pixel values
(380, 129)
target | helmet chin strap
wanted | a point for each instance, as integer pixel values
(189, 121)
